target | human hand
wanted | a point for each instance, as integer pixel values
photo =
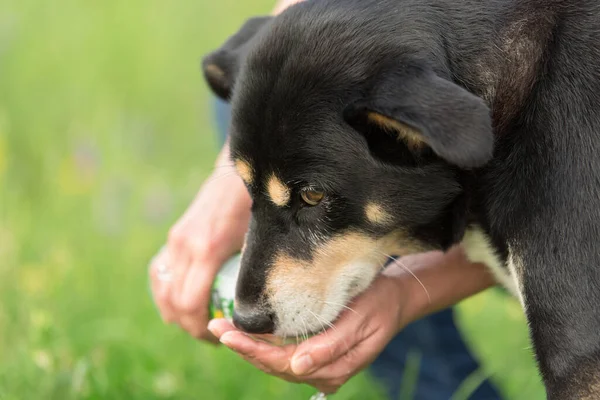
(407, 290)
(211, 230)
(330, 359)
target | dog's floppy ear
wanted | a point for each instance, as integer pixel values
(424, 109)
(221, 67)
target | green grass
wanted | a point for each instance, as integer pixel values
(105, 135)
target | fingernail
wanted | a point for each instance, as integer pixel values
(302, 364)
(225, 339)
(213, 328)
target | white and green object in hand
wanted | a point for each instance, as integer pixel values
(223, 289)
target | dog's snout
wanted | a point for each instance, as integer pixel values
(253, 321)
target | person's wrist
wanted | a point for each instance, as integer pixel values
(433, 281)
(404, 299)
(410, 290)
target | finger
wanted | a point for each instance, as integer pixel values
(267, 370)
(219, 326)
(353, 326)
(195, 325)
(163, 302)
(275, 358)
(257, 364)
(179, 265)
(208, 256)
(160, 289)
(254, 357)
(351, 363)
(328, 346)
(193, 301)
(195, 291)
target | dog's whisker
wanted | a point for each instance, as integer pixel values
(404, 267)
(305, 331)
(383, 265)
(320, 321)
(334, 329)
(330, 325)
(343, 306)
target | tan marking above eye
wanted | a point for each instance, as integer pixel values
(214, 71)
(244, 170)
(312, 197)
(376, 214)
(409, 135)
(278, 191)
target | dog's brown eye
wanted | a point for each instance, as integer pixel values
(312, 197)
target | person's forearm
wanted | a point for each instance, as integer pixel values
(223, 158)
(283, 4)
(442, 280)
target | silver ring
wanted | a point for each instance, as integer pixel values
(163, 273)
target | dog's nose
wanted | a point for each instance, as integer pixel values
(251, 321)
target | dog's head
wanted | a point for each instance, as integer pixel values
(352, 148)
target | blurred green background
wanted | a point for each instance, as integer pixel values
(105, 135)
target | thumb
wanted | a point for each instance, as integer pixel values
(330, 345)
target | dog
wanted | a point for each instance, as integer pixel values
(364, 128)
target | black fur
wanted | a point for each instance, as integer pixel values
(529, 69)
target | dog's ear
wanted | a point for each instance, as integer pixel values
(424, 109)
(221, 67)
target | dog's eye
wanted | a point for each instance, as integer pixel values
(312, 197)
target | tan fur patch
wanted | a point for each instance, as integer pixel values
(376, 214)
(593, 392)
(410, 136)
(307, 295)
(329, 261)
(213, 71)
(315, 276)
(278, 191)
(584, 381)
(245, 171)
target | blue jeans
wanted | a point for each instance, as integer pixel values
(442, 360)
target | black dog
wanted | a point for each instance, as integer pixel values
(364, 128)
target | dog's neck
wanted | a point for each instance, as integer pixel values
(504, 73)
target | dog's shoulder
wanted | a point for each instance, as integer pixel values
(541, 186)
